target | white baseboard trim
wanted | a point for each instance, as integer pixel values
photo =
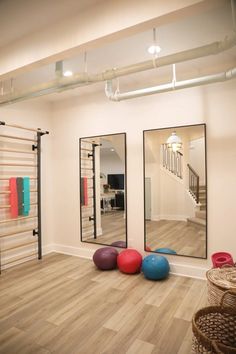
(169, 217)
(188, 271)
(177, 269)
(47, 249)
(69, 250)
(155, 217)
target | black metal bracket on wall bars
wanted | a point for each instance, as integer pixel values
(35, 232)
(2, 123)
(41, 132)
(90, 155)
(91, 218)
(34, 147)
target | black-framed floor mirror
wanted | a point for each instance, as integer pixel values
(175, 190)
(103, 193)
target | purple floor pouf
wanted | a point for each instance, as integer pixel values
(121, 244)
(105, 258)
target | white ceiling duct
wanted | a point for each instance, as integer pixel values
(172, 86)
(82, 79)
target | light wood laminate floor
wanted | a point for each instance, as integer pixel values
(186, 239)
(113, 228)
(64, 305)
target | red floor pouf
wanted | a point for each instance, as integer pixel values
(129, 261)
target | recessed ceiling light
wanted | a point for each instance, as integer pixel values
(154, 49)
(67, 73)
(112, 149)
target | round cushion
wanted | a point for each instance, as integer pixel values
(165, 250)
(121, 244)
(129, 261)
(155, 267)
(105, 258)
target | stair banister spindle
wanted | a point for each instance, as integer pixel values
(194, 183)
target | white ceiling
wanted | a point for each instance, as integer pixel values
(187, 33)
(39, 13)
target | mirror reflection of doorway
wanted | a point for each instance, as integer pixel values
(175, 190)
(103, 160)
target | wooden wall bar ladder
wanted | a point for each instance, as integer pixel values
(36, 150)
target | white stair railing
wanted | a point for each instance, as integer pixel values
(172, 160)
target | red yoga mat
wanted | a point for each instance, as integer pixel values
(13, 197)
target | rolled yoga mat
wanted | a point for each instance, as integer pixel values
(13, 197)
(19, 183)
(26, 196)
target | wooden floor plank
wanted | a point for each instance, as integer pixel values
(190, 303)
(140, 347)
(64, 305)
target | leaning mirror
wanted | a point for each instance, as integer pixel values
(103, 189)
(175, 190)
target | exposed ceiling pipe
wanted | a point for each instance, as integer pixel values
(172, 86)
(82, 79)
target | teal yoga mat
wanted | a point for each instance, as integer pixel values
(26, 196)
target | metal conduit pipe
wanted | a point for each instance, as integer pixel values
(172, 86)
(82, 79)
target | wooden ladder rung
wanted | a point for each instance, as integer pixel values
(8, 192)
(19, 151)
(17, 232)
(18, 164)
(87, 226)
(7, 178)
(19, 246)
(8, 206)
(17, 138)
(18, 219)
(19, 258)
(84, 149)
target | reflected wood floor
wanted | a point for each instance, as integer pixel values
(64, 305)
(185, 239)
(113, 228)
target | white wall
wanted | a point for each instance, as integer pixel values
(74, 118)
(92, 116)
(111, 165)
(152, 170)
(33, 114)
(197, 158)
(172, 196)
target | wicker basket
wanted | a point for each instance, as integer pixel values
(219, 280)
(214, 329)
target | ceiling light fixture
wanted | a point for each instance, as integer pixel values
(67, 73)
(174, 142)
(154, 48)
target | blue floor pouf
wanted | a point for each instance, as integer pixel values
(155, 267)
(165, 250)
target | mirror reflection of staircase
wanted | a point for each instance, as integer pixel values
(200, 215)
